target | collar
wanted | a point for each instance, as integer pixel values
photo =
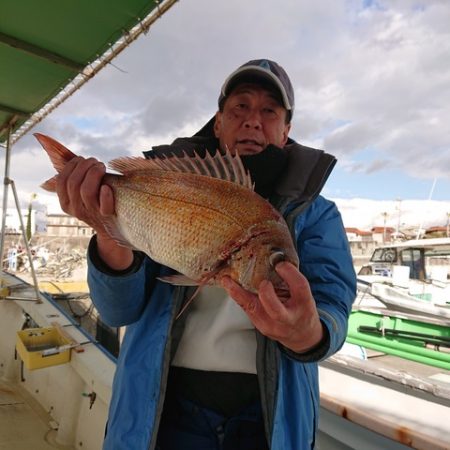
(266, 168)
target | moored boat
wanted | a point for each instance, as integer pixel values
(411, 276)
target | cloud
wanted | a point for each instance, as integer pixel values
(388, 83)
(366, 213)
(371, 81)
(377, 165)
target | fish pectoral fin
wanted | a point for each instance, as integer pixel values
(112, 228)
(179, 280)
(185, 306)
(199, 285)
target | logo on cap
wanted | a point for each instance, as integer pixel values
(265, 64)
(269, 70)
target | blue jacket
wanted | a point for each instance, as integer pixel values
(288, 381)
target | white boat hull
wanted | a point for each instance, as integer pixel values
(63, 392)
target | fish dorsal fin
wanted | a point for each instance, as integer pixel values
(223, 166)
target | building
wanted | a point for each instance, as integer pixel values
(12, 224)
(63, 225)
(437, 232)
(361, 242)
(382, 234)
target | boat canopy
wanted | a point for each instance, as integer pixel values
(438, 244)
(49, 49)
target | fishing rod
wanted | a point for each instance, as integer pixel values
(433, 339)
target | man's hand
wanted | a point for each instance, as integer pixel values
(294, 322)
(82, 195)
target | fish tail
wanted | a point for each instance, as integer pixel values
(59, 156)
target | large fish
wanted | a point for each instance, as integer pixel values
(198, 216)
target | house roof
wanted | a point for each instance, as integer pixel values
(437, 228)
(382, 229)
(358, 232)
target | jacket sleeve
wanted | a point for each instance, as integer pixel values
(326, 262)
(120, 297)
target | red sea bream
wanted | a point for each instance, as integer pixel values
(199, 216)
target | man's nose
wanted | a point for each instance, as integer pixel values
(253, 119)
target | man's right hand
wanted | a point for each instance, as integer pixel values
(82, 195)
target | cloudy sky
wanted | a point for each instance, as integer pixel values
(372, 85)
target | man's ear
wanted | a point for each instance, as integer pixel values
(218, 124)
(287, 128)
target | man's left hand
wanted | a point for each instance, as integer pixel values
(294, 322)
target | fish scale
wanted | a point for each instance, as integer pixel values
(180, 221)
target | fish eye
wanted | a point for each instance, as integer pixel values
(276, 257)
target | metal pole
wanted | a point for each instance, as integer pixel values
(7, 181)
(399, 207)
(5, 192)
(419, 231)
(384, 214)
(27, 246)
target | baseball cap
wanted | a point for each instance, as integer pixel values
(266, 70)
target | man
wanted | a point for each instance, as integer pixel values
(238, 370)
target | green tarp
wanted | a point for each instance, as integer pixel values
(44, 44)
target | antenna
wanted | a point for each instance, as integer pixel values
(419, 231)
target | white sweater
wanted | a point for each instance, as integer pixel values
(218, 335)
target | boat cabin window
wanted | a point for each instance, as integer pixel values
(384, 255)
(414, 258)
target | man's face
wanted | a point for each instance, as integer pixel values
(252, 118)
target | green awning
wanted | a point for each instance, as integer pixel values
(49, 48)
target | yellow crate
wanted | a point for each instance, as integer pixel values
(42, 347)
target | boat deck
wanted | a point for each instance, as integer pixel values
(24, 424)
(408, 366)
(404, 404)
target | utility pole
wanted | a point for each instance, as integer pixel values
(399, 209)
(384, 214)
(419, 231)
(29, 231)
